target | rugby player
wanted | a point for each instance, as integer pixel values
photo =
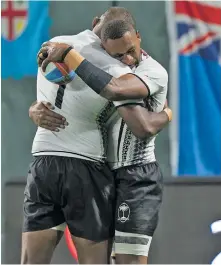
(57, 148)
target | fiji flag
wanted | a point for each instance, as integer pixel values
(195, 89)
(25, 25)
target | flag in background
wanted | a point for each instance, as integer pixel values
(25, 26)
(194, 29)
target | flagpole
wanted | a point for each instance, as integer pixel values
(173, 89)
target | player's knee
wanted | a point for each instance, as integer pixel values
(38, 247)
(34, 258)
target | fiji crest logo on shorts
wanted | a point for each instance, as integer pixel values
(123, 212)
(14, 18)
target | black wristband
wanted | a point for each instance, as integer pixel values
(93, 76)
(66, 52)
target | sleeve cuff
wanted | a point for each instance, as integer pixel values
(144, 82)
(129, 104)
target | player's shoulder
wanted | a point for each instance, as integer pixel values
(82, 38)
(117, 68)
(152, 68)
(62, 38)
(152, 63)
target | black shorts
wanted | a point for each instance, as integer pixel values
(65, 189)
(139, 197)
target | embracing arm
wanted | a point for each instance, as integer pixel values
(142, 122)
(125, 87)
(128, 86)
(42, 114)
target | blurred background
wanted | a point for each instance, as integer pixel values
(185, 38)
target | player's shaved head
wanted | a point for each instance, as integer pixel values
(119, 13)
(113, 13)
(115, 29)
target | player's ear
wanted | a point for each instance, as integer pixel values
(138, 35)
(95, 21)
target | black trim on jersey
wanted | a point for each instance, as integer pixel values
(102, 161)
(60, 95)
(101, 120)
(139, 149)
(126, 143)
(143, 83)
(132, 103)
(119, 137)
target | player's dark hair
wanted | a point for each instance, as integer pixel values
(115, 29)
(119, 13)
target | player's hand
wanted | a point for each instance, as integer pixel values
(42, 115)
(51, 52)
(41, 57)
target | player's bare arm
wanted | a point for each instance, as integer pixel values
(42, 115)
(142, 122)
(127, 86)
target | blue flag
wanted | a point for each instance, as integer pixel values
(25, 26)
(195, 40)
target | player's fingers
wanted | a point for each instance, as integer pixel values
(55, 115)
(43, 110)
(46, 43)
(45, 64)
(39, 52)
(50, 128)
(39, 62)
(52, 117)
(42, 56)
(48, 105)
(43, 52)
(51, 121)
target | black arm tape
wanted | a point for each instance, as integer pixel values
(94, 77)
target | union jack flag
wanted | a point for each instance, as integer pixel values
(194, 29)
(199, 28)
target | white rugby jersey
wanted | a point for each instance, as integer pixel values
(86, 112)
(124, 148)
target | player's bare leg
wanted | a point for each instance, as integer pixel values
(128, 259)
(38, 246)
(90, 252)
